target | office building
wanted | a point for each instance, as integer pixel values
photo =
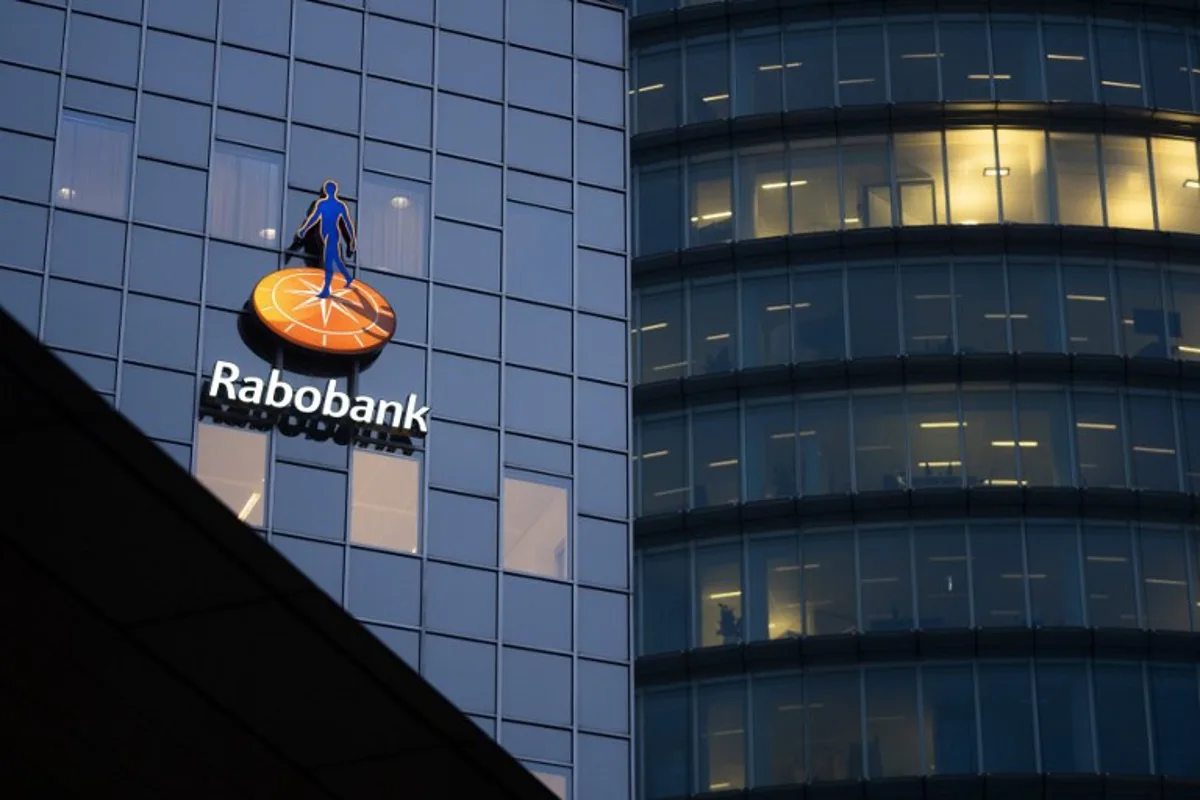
(916, 320)
(159, 155)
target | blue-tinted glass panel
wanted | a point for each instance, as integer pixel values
(666, 739)
(92, 165)
(950, 722)
(1121, 735)
(1006, 709)
(1064, 718)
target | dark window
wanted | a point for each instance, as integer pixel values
(169, 195)
(716, 467)
(1154, 456)
(965, 72)
(600, 414)
(758, 71)
(1065, 718)
(537, 686)
(880, 460)
(464, 458)
(253, 81)
(770, 431)
(468, 191)
(198, 18)
(1006, 708)
(808, 75)
(160, 332)
(602, 629)
(461, 601)
(1016, 56)
(1037, 324)
(466, 321)
(1120, 65)
(539, 81)
(666, 738)
(982, 308)
(258, 25)
(721, 720)
(860, 66)
(1068, 63)
(950, 722)
(707, 60)
(830, 605)
(914, 61)
(464, 671)
(657, 88)
(467, 255)
(92, 166)
(536, 613)
(601, 219)
(322, 563)
(823, 436)
(1164, 578)
(470, 66)
(603, 552)
(158, 402)
(1043, 445)
(662, 465)
(87, 247)
(874, 322)
(664, 593)
(468, 127)
(987, 418)
(467, 389)
(541, 23)
(462, 528)
(397, 112)
(603, 696)
(1175, 710)
(1167, 68)
(28, 99)
(174, 131)
(818, 316)
(601, 280)
(537, 402)
(539, 143)
(943, 578)
(998, 574)
(1089, 309)
(482, 17)
(83, 317)
(935, 447)
(327, 34)
(384, 587)
(21, 296)
(1108, 573)
(1121, 735)
(777, 738)
(893, 729)
(1098, 440)
(659, 219)
(885, 586)
(1055, 575)
(327, 98)
(538, 248)
(309, 501)
(714, 338)
(178, 65)
(834, 716)
(104, 50)
(399, 50)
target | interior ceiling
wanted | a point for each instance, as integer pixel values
(155, 647)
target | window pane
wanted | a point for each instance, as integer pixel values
(829, 599)
(874, 317)
(885, 581)
(1143, 325)
(998, 576)
(1175, 709)
(1164, 580)
(808, 68)
(714, 327)
(1167, 69)
(764, 192)
(535, 527)
(1036, 314)
(1068, 71)
(232, 464)
(707, 61)
(1108, 570)
(921, 188)
(719, 595)
(770, 451)
(247, 195)
(666, 739)
(385, 505)
(1184, 313)
(1120, 66)
(663, 465)
(393, 224)
(1089, 309)
(934, 430)
(1121, 735)
(1098, 440)
(1006, 708)
(778, 738)
(928, 314)
(759, 73)
(1176, 184)
(866, 177)
(965, 73)
(659, 196)
(657, 89)
(834, 735)
(1015, 52)
(982, 311)
(823, 435)
(664, 593)
(721, 716)
(91, 169)
(766, 321)
(716, 468)
(1064, 718)
(1024, 176)
(774, 586)
(1076, 178)
(974, 176)
(818, 316)
(943, 582)
(988, 418)
(661, 336)
(1127, 181)
(860, 65)
(914, 61)
(950, 725)
(1055, 575)
(879, 454)
(1154, 458)
(1042, 439)
(893, 732)
(813, 186)
(1190, 435)
(710, 206)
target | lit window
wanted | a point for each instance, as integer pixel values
(247, 194)
(384, 506)
(232, 464)
(535, 527)
(91, 168)
(393, 222)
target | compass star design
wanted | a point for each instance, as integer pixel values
(327, 305)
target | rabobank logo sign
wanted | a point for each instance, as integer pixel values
(324, 311)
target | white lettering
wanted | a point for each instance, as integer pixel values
(327, 401)
(332, 395)
(274, 384)
(224, 374)
(308, 399)
(252, 391)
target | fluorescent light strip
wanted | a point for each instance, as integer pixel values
(712, 98)
(783, 184)
(1088, 298)
(1120, 85)
(1096, 426)
(716, 337)
(251, 502)
(1004, 443)
(1062, 57)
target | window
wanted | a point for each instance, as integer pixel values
(1154, 456)
(860, 65)
(719, 610)
(950, 724)
(663, 465)
(807, 68)
(778, 737)
(1042, 445)
(1176, 186)
(1121, 736)
(721, 717)
(813, 186)
(818, 315)
(1015, 54)
(1163, 562)
(766, 321)
(764, 192)
(1068, 69)
(914, 61)
(829, 597)
(1089, 309)
(943, 578)
(965, 72)
(823, 438)
(1108, 572)
(834, 718)
(893, 732)
(664, 596)
(927, 308)
(1127, 180)
(1055, 575)
(1006, 708)
(974, 176)
(536, 526)
(1098, 440)
(1024, 175)
(710, 204)
(998, 575)
(393, 220)
(232, 464)
(666, 741)
(1143, 325)
(879, 443)
(713, 327)
(1064, 718)
(774, 607)
(874, 316)
(91, 167)
(384, 503)
(247, 195)
(1036, 309)
(758, 72)
(707, 60)
(716, 466)
(935, 452)
(1077, 178)
(885, 582)
(770, 451)
(657, 89)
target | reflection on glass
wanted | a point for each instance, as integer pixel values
(943, 579)
(893, 731)
(965, 72)
(758, 72)
(1167, 68)
(1108, 572)
(982, 308)
(1120, 65)
(873, 315)
(1067, 63)
(656, 88)
(247, 195)
(766, 321)
(232, 464)
(775, 599)
(1098, 440)
(1036, 311)
(385, 501)
(91, 164)
(860, 65)
(950, 725)
(659, 209)
(721, 719)
(885, 583)
(393, 224)
(1016, 53)
(1183, 317)
(807, 67)
(1154, 457)
(1089, 305)
(1142, 325)
(707, 60)
(914, 61)
(1064, 718)
(534, 538)
(556, 779)
(719, 609)
(660, 337)
(879, 452)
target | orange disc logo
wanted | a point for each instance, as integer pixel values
(340, 319)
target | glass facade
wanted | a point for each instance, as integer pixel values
(955, 58)
(158, 156)
(915, 307)
(962, 176)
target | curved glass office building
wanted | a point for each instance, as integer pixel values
(916, 316)
(157, 157)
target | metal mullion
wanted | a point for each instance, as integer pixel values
(1139, 34)
(937, 50)
(1090, 677)
(999, 179)
(946, 180)
(1189, 553)
(1081, 569)
(1072, 445)
(1126, 436)
(1010, 337)
(1151, 750)
(968, 550)
(1023, 528)
(991, 64)
(1098, 140)
(858, 603)
(862, 720)
(1146, 144)
(1134, 531)
(975, 681)
(1037, 717)
(1016, 433)
(1177, 424)
(1064, 336)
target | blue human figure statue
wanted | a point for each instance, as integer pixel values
(331, 217)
